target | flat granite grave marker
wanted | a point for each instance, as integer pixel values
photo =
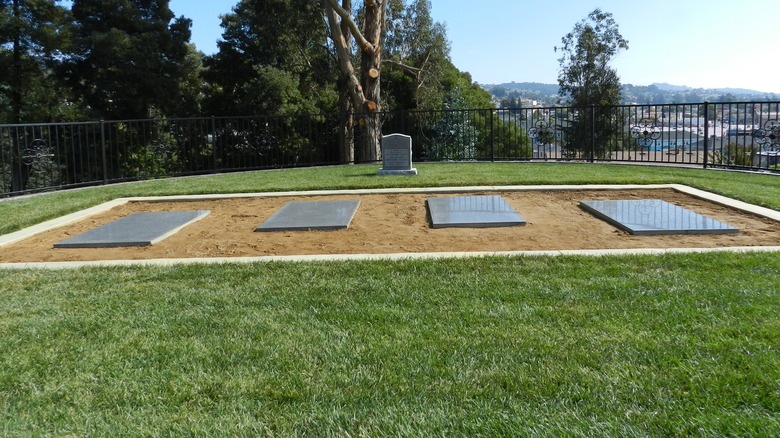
(137, 229)
(472, 212)
(652, 217)
(397, 155)
(311, 215)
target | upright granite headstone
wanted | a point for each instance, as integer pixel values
(397, 155)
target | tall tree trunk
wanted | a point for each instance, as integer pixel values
(346, 125)
(370, 62)
(346, 108)
(363, 86)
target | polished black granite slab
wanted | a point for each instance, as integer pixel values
(137, 229)
(650, 217)
(311, 215)
(472, 212)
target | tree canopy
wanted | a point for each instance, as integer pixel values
(33, 35)
(585, 76)
(125, 59)
(272, 59)
(586, 79)
(128, 57)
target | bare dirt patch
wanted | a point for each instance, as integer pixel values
(397, 223)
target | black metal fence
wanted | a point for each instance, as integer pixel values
(737, 135)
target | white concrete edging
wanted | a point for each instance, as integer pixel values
(80, 215)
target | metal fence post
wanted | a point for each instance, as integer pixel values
(492, 139)
(103, 150)
(213, 143)
(592, 133)
(706, 131)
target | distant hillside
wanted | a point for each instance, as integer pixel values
(527, 86)
(657, 93)
(734, 91)
(669, 87)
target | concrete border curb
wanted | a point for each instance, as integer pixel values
(74, 217)
(384, 257)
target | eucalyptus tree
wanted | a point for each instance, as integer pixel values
(391, 55)
(361, 83)
(589, 84)
(417, 53)
(128, 57)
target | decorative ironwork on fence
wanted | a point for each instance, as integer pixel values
(769, 135)
(738, 135)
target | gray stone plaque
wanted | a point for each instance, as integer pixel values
(472, 212)
(137, 229)
(397, 155)
(651, 217)
(311, 215)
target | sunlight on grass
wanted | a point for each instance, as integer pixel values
(501, 346)
(498, 346)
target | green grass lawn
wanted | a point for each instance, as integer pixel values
(685, 344)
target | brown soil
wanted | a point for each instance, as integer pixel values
(396, 223)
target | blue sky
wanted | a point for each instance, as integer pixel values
(698, 43)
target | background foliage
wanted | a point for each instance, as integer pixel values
(129, 59)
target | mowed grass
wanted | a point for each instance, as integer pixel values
(566, 346)
(669, 345)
